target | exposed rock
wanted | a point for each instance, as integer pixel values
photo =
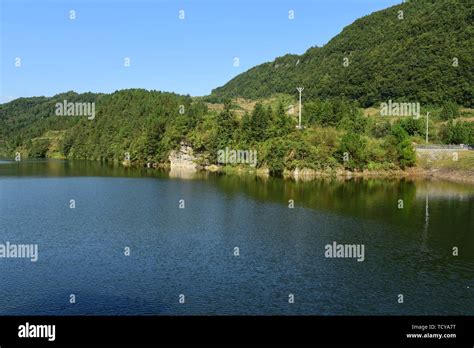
(183, 158)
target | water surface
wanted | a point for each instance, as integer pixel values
(190, 251)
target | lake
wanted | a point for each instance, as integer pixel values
(128, 247)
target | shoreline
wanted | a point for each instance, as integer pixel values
(303, 175)
(458, 176)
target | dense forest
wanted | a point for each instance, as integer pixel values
(420, 51)
(149, 124)
(136, 121)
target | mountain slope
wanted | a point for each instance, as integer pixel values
(388, 58)
(143, 123)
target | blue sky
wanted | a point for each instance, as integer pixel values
(190, 56)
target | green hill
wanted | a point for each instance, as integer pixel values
(388, 58)
(147, 124)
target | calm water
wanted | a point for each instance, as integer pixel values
(191, 251)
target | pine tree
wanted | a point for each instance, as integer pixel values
(246, 128)
(259, 123)
(283, 124)
(226, 126)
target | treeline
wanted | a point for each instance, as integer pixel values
(145, 126)
(347, 115)
(26, 119)
(336, 135)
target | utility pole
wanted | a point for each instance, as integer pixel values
(299, 89)
(427, 114)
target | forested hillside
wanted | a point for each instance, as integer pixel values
(136, 121)
(25, 122)
(149, 124)
(424, 53)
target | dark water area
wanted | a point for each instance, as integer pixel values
(174, 251)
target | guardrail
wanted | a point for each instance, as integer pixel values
(446, 147)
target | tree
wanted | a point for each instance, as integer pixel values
(399, 138)
(399, 132)
(246, 128)
(259, 123)
(458, 133)
(382, 129)
(274, 151)
(413, 126)
(39, 148)
(282, 124)
(353, 148)
(226, 126)
(406, 154)
(449, 111)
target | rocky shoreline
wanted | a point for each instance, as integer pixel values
(184, 162)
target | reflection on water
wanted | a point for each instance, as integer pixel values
(185, 174)
(409, 251)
